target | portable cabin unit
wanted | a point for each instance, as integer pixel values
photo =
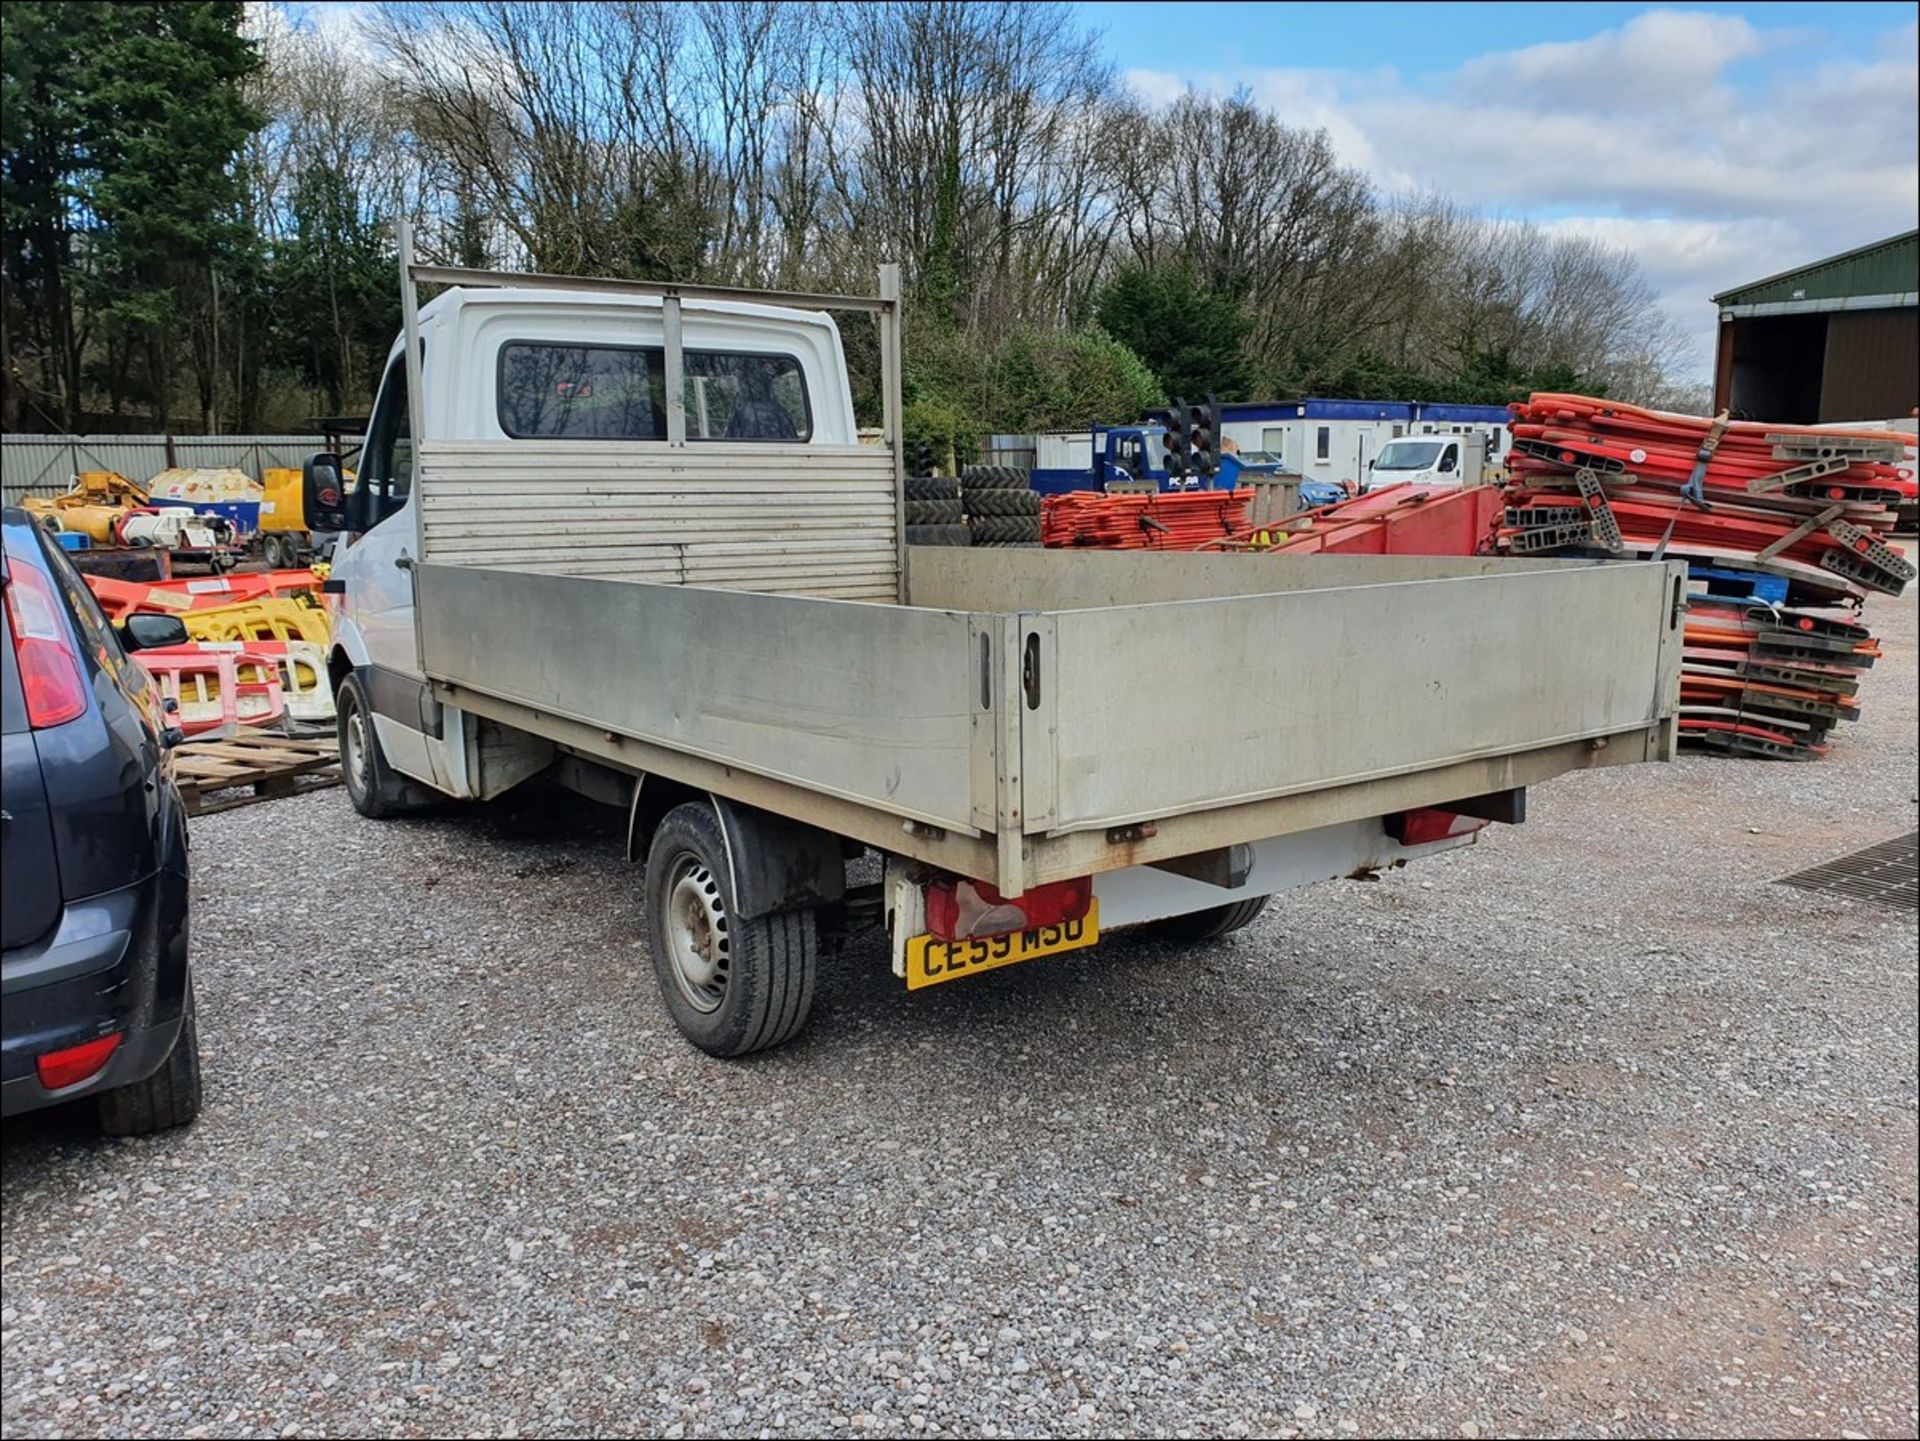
(1333, 440)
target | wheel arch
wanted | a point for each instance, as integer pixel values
(774, 863)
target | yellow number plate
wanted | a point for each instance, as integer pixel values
(931, 960)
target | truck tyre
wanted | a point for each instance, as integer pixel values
(733, 985)
(992, 477)
(989, 528)
(375, 790)
(1004, 502)
(939, 535)
(169, 1097)
(932, 487)
(933, 512)
(1008, 545)
(1210, 924)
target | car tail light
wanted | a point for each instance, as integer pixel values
(49, 664)
(60, 1069)
(1425, 826)
(959, 910)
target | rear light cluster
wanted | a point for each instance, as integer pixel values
(49, 664)
(959, 910)
(1425, 826)
(60, 1069)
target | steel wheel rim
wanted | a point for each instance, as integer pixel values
(695, 926)
(356, 729)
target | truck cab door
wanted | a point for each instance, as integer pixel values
(377, 605)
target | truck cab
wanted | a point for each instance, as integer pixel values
(550, 365)
(1130, 457)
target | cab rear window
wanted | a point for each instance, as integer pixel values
(614, 392)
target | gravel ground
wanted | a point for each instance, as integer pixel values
(1589, 1129)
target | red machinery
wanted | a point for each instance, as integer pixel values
(1393, 520)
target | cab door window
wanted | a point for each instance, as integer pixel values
(386, 463)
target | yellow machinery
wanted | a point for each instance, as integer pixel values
(283, 522)
(97, 501)
(284, 534)
(282, 501)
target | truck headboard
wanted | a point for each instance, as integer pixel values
(816, 520)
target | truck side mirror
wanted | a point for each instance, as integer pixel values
(146, 631)
(327, 504)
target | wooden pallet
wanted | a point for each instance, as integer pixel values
(217, 775)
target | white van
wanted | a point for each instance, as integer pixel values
(1429, 460)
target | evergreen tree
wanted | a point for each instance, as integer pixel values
(1191, 338)
(161, 118)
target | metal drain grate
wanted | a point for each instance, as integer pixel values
(1888, 873)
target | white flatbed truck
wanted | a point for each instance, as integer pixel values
(624, 534)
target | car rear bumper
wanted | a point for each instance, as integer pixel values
(116, 962)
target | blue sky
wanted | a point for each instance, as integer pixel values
(1422, 38)
(1718, 143)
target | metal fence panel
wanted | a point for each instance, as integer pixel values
(1014, 450)
(46, 464)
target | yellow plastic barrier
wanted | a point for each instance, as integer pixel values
(274, 618)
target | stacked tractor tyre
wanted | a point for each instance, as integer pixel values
(934, 514)
(1001, 508)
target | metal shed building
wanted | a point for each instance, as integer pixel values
(1835, 340)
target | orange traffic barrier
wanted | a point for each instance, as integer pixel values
(120, 598)
(1164, 520)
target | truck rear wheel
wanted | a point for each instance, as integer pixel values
(733, 984)
(1210, 924)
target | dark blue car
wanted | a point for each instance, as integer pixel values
(96, 1003)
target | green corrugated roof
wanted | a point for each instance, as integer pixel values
(1886, 267)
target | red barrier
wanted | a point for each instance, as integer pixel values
(120, 598)
(1166, 520)
(1594, 477)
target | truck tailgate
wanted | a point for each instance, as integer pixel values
(1147, 711)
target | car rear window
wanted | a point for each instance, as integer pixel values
(616, 392)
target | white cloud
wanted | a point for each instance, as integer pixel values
(1638, 135)
(1658, 58)
(1156, 87)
